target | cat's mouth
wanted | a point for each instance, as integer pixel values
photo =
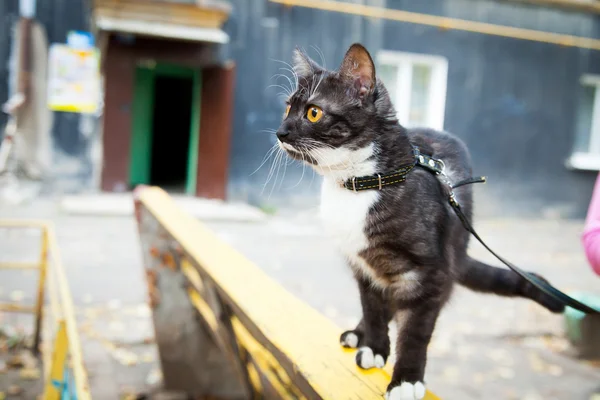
(296, 153)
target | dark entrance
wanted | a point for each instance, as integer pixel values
(166, 124)
(171, 132)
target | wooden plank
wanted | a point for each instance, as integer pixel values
(54, 381)
(41, 292)
(192, 360)
(19, 265)
(175, 13)
(66, 303)
(292, 329)
(572, 5)
(17, 308)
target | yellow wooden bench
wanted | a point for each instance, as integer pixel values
(253, 338)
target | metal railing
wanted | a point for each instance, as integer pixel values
(64, 373)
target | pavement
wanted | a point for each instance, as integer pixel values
(483, 346)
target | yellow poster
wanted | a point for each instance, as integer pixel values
(73, 79)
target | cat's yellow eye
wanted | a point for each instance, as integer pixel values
(287, 111)
(314, 114)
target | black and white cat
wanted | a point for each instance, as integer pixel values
(403, 242)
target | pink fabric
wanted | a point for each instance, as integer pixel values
(591, 231)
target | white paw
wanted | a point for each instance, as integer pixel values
(366, 359)
(350, 340)
(407, 391)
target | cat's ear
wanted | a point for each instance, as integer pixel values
(303, 64)
(358, 67)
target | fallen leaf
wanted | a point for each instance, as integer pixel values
(154, 377)
(30, 374)
(506, 373)
(555, 370)
(14, 390)
(148, 358)
(17, 295)
(15, 361)
(29, 361)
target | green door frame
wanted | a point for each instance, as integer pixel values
(142, 122)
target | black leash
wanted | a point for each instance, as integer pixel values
(541, 285)
(436, 166)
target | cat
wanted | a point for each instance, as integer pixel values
(403, 242)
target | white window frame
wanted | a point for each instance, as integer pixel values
(437, 91)
(590, 160)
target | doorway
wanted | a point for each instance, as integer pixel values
(166, 122)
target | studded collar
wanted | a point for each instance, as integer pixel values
(379, 181)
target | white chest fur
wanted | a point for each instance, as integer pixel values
(344, 215)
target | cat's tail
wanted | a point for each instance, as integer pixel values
(481, 277)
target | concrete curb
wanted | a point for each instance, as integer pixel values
(121, 205)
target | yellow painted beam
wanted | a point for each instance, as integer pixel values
(17, 308)
(52, 387)
(586, 6)
(23, 223)
(66, 304)
(445, 22)
(41, 292)
(19, 265)
(307, 338)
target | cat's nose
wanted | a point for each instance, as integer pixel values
(282, 133)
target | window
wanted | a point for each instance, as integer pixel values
(586, 154)
(417, 86)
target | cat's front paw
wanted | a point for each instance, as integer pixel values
(350, 339)
(366, 358)
(406, 391)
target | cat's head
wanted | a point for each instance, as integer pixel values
(332, 116)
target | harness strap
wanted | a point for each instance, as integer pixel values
(437, 167)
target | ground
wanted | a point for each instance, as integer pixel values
(484, 346)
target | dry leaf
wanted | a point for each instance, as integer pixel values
(506, 373)
(16, 361)
(30, 374)
(14, 390)
(154, 377)
(17, 295)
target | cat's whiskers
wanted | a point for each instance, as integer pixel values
(265, 158)
(275, 162)
(290, 69)
(303, 149)
(291, 88)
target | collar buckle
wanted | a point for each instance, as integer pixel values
(379, 177)
(354, 184)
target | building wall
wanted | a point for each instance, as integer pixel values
(72, 166)
(513, 101)
(9, 13)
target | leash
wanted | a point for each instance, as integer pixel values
(437, 167)
(541, 285)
